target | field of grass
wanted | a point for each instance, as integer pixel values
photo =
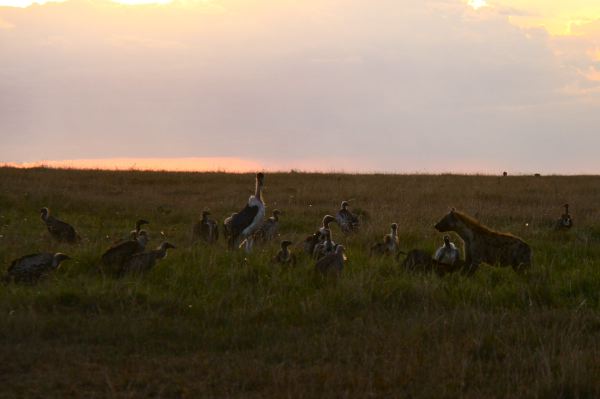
(208, 323)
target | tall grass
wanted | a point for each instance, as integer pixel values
(210, 323)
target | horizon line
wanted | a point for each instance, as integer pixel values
(70, 166)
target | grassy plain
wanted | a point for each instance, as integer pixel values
(207, 323)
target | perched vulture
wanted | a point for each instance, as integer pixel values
(325, 247)
(332, 263)
(144, 262)
(270, 228)
(58, 229)
(116, 256)
(447, 254)
(390, 244)
(206, 229)
(31, 268)
(347, 220)
(566, 221)
(285, 256)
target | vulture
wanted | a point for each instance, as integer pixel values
(327, 220)
(138, 226)
(421, 261)
(325, 247)
(347, 220)
(447, 254)
(332, 263)
(311, 242)
(319, 236)
(227, 226)
(144, 262)
(382, 248)
(390, 244)
(270, 228)
(120, 253)
(285, 256)
(566, 221)
(206, 229)
(418, 260)
(31, 268)
(247, 221)
(58, 229)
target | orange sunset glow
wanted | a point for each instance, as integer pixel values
(318, 85)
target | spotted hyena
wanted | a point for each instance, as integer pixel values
(484, 245)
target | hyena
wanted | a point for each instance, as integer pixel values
(483, 245)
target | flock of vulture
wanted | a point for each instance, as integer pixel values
(241, 230)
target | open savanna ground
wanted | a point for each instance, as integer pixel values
(209, 323)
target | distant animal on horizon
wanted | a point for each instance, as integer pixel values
(31, 268)
(206, 229)
(144, 262)
(285, 256)
(484, 245)
(59, 230)
(390, 243)
(565, 222)
(447, 254)
(347, 220)
(246, 222)
(270, 228)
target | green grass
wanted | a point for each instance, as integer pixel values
(210, 323)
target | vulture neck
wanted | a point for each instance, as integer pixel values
(161, 252)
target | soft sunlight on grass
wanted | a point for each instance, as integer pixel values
(207, 323)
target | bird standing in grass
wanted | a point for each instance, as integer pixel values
(327, 220)
(206, 229)
(325, 247)
(332, 263)
(565, 222)
(30, 268)
(390, 243)
(58, 229)
(270, 228)
(227, 226)
(347, 220)
(138, 227)
(247, 221)
(144, 262)
(447, 254)
(114, 257)
(311, 242)
(319, 236)
(285, 256)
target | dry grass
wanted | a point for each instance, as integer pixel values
(206, 323)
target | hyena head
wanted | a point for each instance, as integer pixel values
(448, 222)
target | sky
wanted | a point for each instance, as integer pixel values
(345, 85)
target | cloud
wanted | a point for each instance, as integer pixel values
(5, 24)
(428, 84)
